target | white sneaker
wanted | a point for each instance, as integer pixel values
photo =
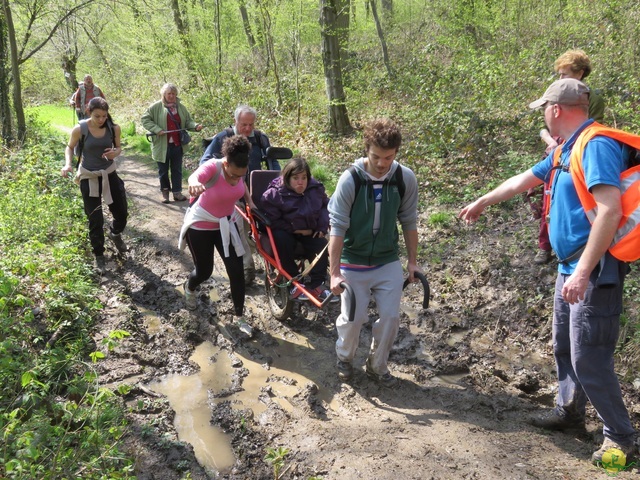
(190, 299)
(243, 326)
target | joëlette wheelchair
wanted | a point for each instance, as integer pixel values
(277, 281)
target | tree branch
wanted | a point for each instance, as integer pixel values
(21, 60)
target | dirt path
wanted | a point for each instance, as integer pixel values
(473, 367)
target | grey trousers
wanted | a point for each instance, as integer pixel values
(584, 339)
(385, 285)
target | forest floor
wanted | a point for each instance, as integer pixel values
(473, 367)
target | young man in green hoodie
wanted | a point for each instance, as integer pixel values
(369, 200)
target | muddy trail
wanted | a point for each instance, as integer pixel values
(206, 401)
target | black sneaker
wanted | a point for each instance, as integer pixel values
(554, 420)
(249, 276)
(345, 370)
(116, 238)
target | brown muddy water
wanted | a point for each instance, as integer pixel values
(188, 395)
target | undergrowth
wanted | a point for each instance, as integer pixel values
(57, 422)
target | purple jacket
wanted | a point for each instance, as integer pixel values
(291, 211)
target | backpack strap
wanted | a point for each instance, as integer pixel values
(216, 175)
(397, 180)
(84, 131)
(209, 182)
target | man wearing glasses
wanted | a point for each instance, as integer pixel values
(587, 308)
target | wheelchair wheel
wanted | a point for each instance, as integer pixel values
(280, 304)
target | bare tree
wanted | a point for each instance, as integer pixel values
(15, 71)
(183, 32)
(269, 44)
(338, 117)
(383, 42)
(5, 107)
(218, 35)
(247, 25)
(37, 17)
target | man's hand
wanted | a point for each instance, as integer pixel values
(412, 268)
(335, 282)
(574, 288)
(471, 212)
(603, 229)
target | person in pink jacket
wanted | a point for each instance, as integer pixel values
(210, 222)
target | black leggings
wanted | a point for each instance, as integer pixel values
(93, 210)
(201, 244)
(286, 245)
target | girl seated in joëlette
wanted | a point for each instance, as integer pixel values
(296, 204)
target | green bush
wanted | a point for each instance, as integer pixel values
(57, 422)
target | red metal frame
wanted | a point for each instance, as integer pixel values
(274, 260)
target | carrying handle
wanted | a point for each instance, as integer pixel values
(425, 286)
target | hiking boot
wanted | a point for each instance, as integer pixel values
(345, 370)
(296, 293)
(190, 298)
(165, 195)
(385, 380)
(554, 420)
(116, 238)
(243, 326)
(542, 257)
(629, 450)
(249, 277)
(179, 197)
(100, 264)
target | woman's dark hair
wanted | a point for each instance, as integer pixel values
(99, 103)
(295, 166)
(236, 150)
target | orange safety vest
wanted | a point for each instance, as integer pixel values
(626, 242)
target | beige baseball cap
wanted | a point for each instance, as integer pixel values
(567, 91)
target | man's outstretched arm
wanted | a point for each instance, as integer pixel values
(506, 190)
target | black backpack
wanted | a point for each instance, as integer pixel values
(397, 179)
(230, 133)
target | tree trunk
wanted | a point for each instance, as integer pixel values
(383, 42)
(69, 67)
(270, 46)
(247, 26)
(183, 33)
(5, 107)
(343, 22)
(15, 71)
(218, 37)
(338, 118)
(387, 9)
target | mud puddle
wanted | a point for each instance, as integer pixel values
(191, 396)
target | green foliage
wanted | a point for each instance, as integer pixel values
(441, 219)
(276, 457)
(57, 421)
